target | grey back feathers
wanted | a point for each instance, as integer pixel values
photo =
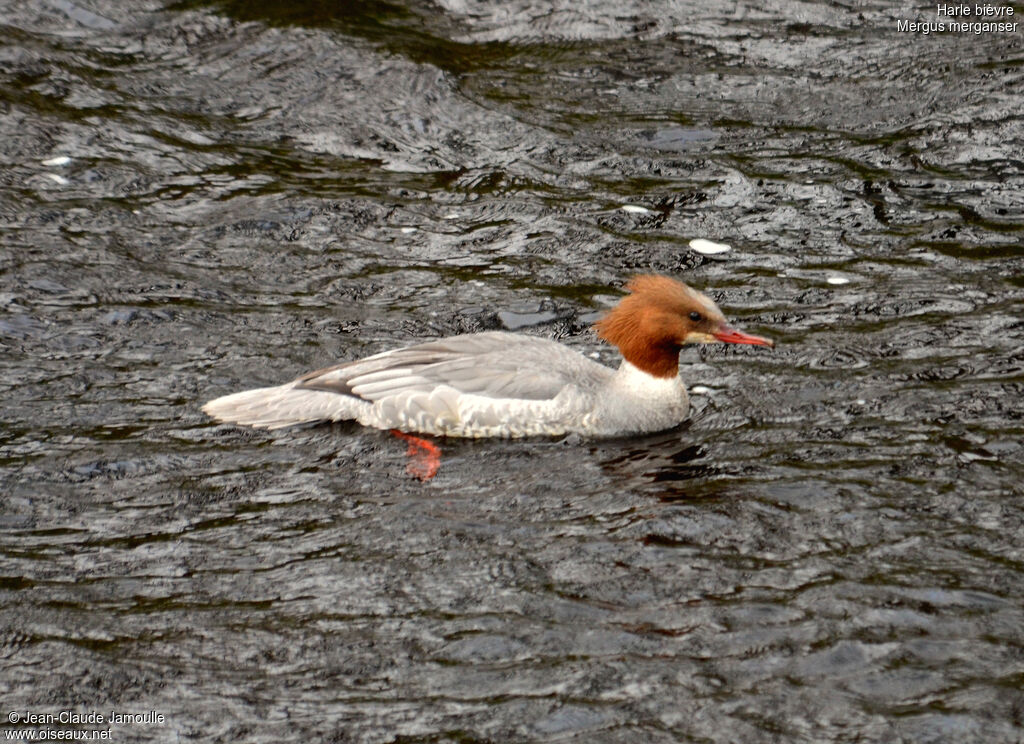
(493, 364)
(483, 384)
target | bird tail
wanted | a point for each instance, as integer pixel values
(278, 407)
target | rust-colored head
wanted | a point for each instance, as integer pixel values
(659, 317)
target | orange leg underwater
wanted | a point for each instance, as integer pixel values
(426, 456)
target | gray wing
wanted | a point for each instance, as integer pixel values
(494, 364)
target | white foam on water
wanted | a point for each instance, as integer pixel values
(708, 247)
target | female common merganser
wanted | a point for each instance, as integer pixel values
(499, 384)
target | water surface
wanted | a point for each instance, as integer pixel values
(829, 550)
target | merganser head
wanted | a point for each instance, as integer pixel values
(662, 315)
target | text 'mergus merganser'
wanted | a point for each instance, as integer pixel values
(499, 384)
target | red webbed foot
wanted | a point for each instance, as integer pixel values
(426, 456)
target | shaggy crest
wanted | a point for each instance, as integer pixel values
(652, 324)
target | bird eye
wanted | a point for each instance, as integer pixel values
(696, 317)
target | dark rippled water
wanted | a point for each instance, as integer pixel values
(831, 550)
